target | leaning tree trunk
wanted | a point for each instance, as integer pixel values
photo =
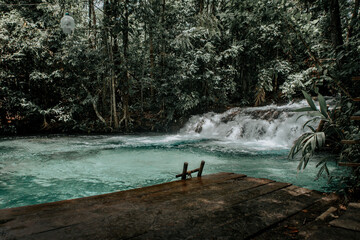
(94, 104)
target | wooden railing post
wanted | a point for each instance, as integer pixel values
(184, 173)
(201, 168)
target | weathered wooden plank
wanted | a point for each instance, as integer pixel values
(345, 227)
(302, 224)
(130, 215)
(333, 233)
(184, 173)
(62, 206)
(222, 205)
(350, 142)
(357, 99)
(349, 164)
(204, 215)
(51, 216)
(327, 213)
(261, 212)
(108, 199)
(173, 218)
(355, 118)
(356, 78)
(201, 168)
(350, 220)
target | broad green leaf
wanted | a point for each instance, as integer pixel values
(321, 170)
(306, 159)
(307, 144)
(311, 128)
(321, 162)
(300, 164)
(306, 139)
(315, 114)
(313, 142)
(309, 100)
(330, 178)
(316, 89)
(308, 17)
(320, 139)
(292, 152)
(327, 170)
(297, 145)
(319, 67)
(305, 109)
(307, 122)
(302, 115)
(323, 107)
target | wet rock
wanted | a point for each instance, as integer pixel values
(267, 116)
(198, 127)
(276, 115)
(230, 117)
(228, 134)
(261, 131)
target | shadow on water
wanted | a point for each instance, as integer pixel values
(68, 155)
(7, 149)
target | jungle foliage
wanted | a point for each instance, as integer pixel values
(146, 65)
(333, 126)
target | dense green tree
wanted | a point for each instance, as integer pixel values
(142, 65)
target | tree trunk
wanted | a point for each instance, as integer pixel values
(113, 84)
(92, 21)
(125, 83)
(335, 24)
(94, 104)
(213, 7)
(111, 40)
(152, 60)
(354, 18)
(162, 55)
(143, 74)
(201, 6)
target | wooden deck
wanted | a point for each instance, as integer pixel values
(223, 205)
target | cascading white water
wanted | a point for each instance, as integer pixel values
(272, 125)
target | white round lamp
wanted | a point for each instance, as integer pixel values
(67, 24)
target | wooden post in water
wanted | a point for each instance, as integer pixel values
(184, 173)
(201, 168)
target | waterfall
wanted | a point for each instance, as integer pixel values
(270, 125)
